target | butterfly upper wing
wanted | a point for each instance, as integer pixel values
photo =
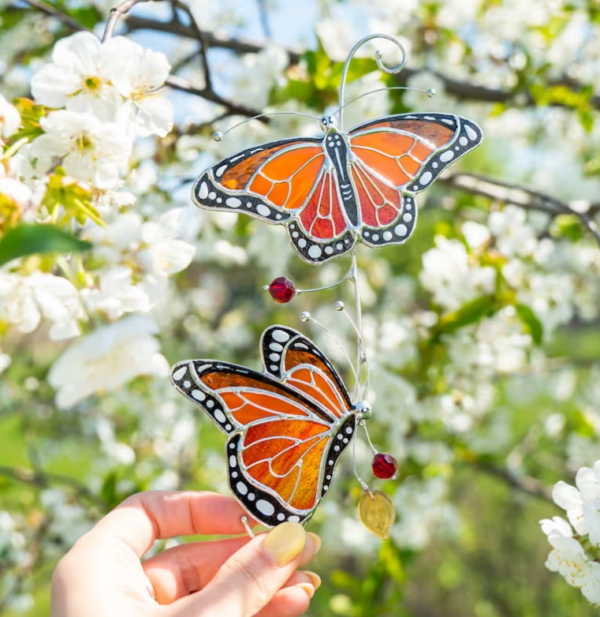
(281, 446)
(398, 156)
(271, 182)
(409, 151)
(292, 181)
(295, 359)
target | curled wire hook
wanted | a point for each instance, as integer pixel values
(380, 64)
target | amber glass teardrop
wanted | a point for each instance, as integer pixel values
(377, 513)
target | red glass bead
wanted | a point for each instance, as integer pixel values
(282, 290)
(384, 466)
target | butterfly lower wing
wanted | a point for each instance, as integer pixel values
(409, 151)
(316, 252)
(271, 182)
(271, 499)
(399, 231)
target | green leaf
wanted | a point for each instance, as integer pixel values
(567, 226)
(32, 239)
(586, 119)
(30, 120)
(108, 492)
(467, 314)
(532, 324)
(358, 67)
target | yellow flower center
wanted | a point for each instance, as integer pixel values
(93, 83)
(84, 142)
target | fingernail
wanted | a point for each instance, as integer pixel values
(285, 542)
(310, 590)
(316, 541)
(315, 579)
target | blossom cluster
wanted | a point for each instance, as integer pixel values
(576, 543)
(92, 101)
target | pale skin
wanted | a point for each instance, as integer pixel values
(103, 575)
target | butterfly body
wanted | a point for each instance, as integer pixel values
(286, 427)
(347, 186)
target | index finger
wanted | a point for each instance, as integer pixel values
(155, 515)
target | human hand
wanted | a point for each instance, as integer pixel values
(102, 575)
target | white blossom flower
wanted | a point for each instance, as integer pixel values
(10, 120)
(582, 504)
(259, 73)
(117, 294)
(121, 453)
(138, 74)
(569, 559)
(21, 602)
(24, 300)
(68, 520)
(16, 192)
(164, 253)
(475, 234)
(155, 245)
(497, 345)
(75, 78)
(514, 235)
(107, 359)
(10, 536)
(569, 556)
(422, 512)
(109, 199)
(450, 276)
(5, 361)
(90, 150)
(550, 295)
(337, 37)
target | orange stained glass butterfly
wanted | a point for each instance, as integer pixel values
(346, 186)
(286, 427)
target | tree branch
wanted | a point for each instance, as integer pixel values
(51, 11)
(45, 480)
(177, 83)
(239, 46)
(525, 484)
(202, 40)
(522, 196)
(460, 89)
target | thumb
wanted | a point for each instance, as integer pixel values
(250, 578)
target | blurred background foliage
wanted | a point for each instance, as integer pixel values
(485, 344)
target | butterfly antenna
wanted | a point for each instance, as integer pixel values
(430, 93)
(218, 135)
(305, 316)
(382, 67)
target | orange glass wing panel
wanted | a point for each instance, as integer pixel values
(284, 174)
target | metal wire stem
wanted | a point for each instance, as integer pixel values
(382, 67)
(246, 525)
(338, 343)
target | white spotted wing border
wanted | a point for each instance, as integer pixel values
(258, 500)
(208, 193)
